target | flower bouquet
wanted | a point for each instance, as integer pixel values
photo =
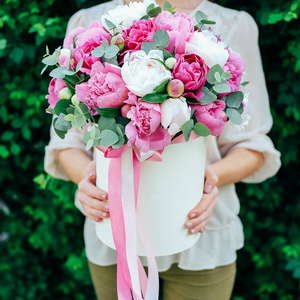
(140, 80)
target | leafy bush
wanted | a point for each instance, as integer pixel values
(42, 255)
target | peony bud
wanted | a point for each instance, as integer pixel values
(170, 62)
(65, 52)
(65, 93)
(118, 40)
(175, 88)
(75, 100)
(125, 109)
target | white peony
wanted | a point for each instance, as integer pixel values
(174, 113)
(142, 74)
(206, 45)
(124, 15)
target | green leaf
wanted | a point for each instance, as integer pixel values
(186, 128)
(234, 116)
(4, 153)
(69, 117)
(145, 17)
(166, 54)
(108, 138)
(105, 122)
(60, 133)
(58, 72)
(62, 124)
(49, 60)
(167, 5)
(111, 51)
(208, 97)
(201, 130)
(150, 7)
(161, 88)
(89, 144)
(226, 75)
(154, 98)
(51, 111)
(67, 71)
(79, 119)
(161, 38)
(211, 74)
(222, 88)
(148, 46)
(109, 112)
(245, 83)
(61, 106)
(207, 22)
(7, 136)
(154, 12)
(200, 16)
(110, 24)
(235, 99)
(79, 65)
(98, 52)
(44, 69)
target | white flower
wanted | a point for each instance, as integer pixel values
(142, 74)
(174, 113)
(124, 15)
(206, 45)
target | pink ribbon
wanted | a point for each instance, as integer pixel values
(126, 223)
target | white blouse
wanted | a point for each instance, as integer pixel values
(224, 234)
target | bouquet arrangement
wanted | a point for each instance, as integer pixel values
(143, 76)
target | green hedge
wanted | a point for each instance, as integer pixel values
(41, 244)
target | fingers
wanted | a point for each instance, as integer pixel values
(201, 214)
(93, 200)
(211, 180)
(91, 171)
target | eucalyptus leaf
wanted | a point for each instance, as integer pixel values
(111, 51)
(108, 138)
(104, 123)
(200, 16)
(186, 128)
(85, 110)
(154, 12)
(211, 74)
(234, 116)
(161, 38)
(145, 17)
(98, 52)
(110, 24)
(62, 124)
(166, 54)
(70, 110)
(235, 99)
(89, 144)
(240, 109)
(222, 88)
(154, 98)
(208, 97)
(148, 46)
(67, 72)
(201, 130)
(150, 7)
(218, 77)
(57, 73)
(167, 5)
(44, 69)
(79, 65)
(69, 117)
(245, 83)
(119, 144)
(226, 75)
(49, 60)
(60, 133)
(79, 119)
(51, 111)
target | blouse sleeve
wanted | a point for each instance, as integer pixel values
(243, 39)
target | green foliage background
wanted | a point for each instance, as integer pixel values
(41, 247)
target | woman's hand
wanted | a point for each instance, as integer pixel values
(94, 201)
(200, 215)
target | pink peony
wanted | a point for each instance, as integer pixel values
(235, 66)
(144, 130)
(55, 86)
(140, 32)
(192, 71)
(105, 88)
(86, 41)
(212, 116)
(175, 25)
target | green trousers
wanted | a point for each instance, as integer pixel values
(175, 284)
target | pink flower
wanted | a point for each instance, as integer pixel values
(191, 70)
(105, 88)
(175, 25)
(144, 129)
(86, 41)
(140, 32)
(55, 86)
(235, 66)
(212, 116)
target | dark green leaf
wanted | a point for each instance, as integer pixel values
(154, 98)
(61, 106)
(208, 22)
(201, 130)
(51, 111)
(154, 12)
(186, 128)
(109, 112)
(161, 88)
(150, 7)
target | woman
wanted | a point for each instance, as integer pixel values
(206, 270)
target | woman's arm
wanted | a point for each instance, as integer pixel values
(82, 171)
